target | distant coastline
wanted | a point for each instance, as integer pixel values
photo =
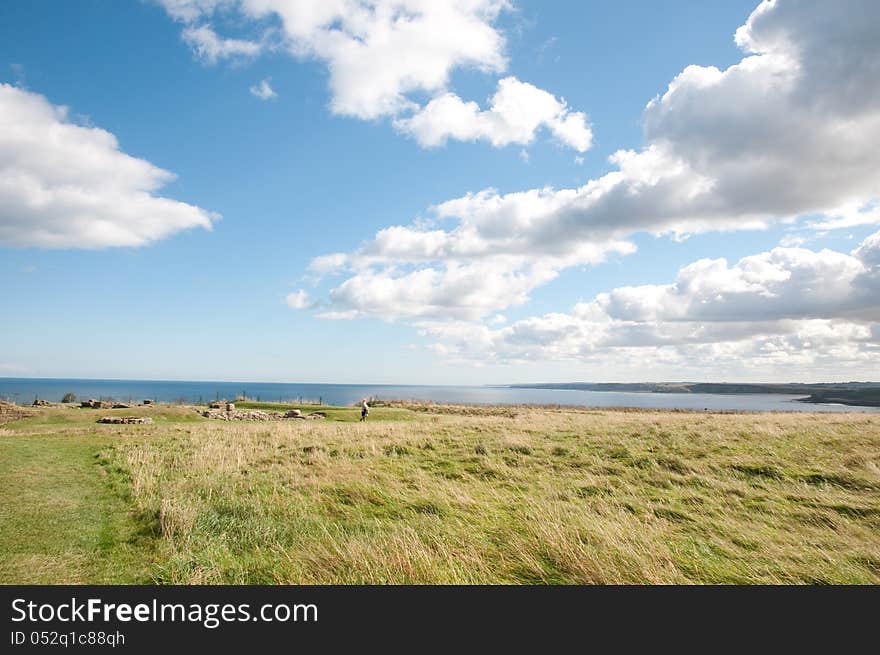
(861, 394)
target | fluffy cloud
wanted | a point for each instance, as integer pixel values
(789, 306)
(263, 90)
(782, 283)
(517, 111)
(64, 185)
(381, 52)
(461, 291)
(414, 285)
(790, 131)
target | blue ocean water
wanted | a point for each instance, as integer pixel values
(25, 390)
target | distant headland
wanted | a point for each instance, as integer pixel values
(865, 394)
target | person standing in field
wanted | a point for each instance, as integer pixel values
(365, 409)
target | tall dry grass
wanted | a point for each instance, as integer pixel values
(535, 496)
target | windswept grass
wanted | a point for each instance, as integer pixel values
(524, 496)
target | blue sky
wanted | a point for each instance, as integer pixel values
(326, 164)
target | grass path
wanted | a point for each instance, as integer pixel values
(64, 519)
(62, 522)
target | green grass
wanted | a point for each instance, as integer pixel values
(434, 494)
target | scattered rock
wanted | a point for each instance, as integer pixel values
(144, 420)
(217, 404)
(147, 401)
(258, 415)
(11, 412)
(230, 407)
(41, 403)
(121, 406)
(96, 404)
(240, 415)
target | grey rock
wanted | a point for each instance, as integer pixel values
(141, 420)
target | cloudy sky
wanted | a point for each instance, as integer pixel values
(415, 191)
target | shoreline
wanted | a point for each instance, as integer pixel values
(693, 397)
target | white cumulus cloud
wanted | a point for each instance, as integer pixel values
(382, 53)
(516, 112)
(435, 282)
(378, 51)
(790, 131)
(785, 308)
(63, 185)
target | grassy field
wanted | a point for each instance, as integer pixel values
(429, 494)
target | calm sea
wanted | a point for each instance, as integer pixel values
(25, 390)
